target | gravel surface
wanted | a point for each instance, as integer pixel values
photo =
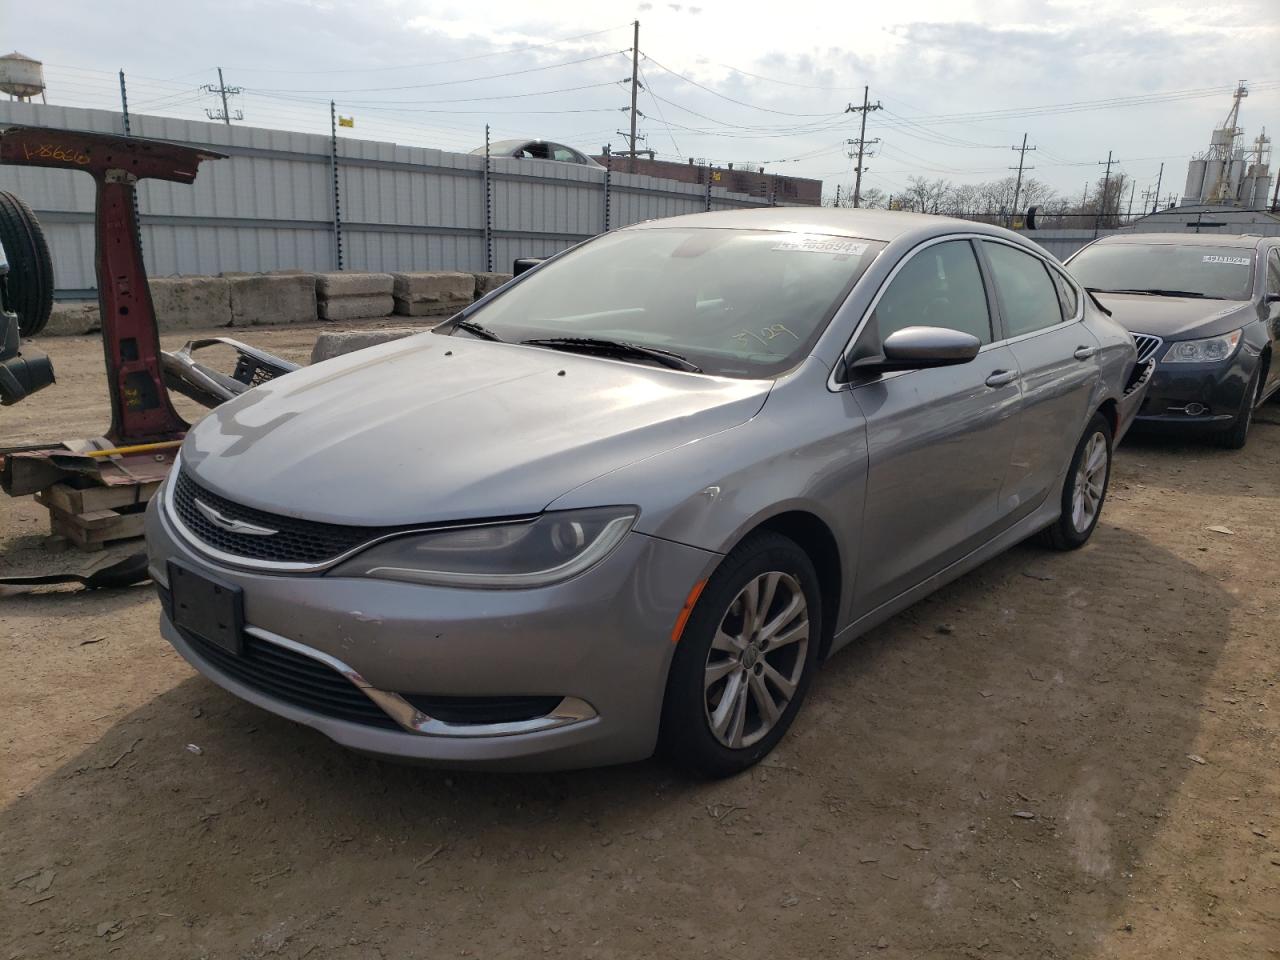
(1058, 756)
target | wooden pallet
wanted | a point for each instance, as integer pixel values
(91, 517)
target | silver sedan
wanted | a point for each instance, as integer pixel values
(632, 499)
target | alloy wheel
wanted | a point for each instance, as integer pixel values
(1090, 483)
(756, 659)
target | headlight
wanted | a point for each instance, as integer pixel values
(1210, 350)
(533, 553)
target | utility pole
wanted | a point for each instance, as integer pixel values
(226, 116)
(124, 103)
(635, 90)
(1159, 180)
(861, 143)
(837, 196)
(1102, 202)
(1275, 195)
(1133, 186)
(1017, 189)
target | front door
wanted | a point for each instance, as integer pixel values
(939, 440)
(1058, 359)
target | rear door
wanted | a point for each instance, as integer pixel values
(939, 440)
(1057, 357)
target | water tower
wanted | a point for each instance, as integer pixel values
(21, 77)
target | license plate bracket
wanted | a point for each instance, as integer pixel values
(210, 608)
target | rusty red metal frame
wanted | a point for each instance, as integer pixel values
(141, 410)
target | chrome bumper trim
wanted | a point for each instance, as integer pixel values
(569, 710)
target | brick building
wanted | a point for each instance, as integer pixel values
(786, 191)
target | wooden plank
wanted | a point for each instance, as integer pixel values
(90, 531)
(77, 500)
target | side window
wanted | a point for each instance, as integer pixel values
(1066, 294)
(567, 155)
(1273, 271)
(1028, 298)
(940, 286)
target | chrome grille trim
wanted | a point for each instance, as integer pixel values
(1147, 346)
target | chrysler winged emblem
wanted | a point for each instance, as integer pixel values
(232, 525)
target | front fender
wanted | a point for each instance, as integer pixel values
(805, 451)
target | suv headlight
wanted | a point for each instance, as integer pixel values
(1210, 350)
(531, 553)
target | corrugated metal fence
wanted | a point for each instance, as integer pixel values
(269, 205)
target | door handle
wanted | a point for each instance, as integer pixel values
(1002, 378)
(1084, 353)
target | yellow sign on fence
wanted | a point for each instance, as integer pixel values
(346, 121)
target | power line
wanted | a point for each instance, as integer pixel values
(717, 93)
(439, 63)
(444, 83)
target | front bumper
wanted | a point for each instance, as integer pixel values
(1200, 396)
(599, 643)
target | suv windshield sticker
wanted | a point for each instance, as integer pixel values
(1237, 261)
(836, 245)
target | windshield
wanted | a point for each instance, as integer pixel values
(737, 303)
(1223, 273)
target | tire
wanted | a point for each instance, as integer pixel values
(1076, 524)
(1238, 435)
(30, 280)
(701, 731)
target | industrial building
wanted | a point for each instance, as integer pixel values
(782, 190)
(1229, 173)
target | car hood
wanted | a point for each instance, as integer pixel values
(434, 428)
(1175, 318)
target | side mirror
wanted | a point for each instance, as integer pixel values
(915, 348)
(522, 264)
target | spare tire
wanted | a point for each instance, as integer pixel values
(30, 282)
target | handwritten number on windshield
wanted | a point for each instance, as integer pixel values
(764, 335)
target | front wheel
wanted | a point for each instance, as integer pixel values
(745, 659)
(1086, 488)
(1238, 435)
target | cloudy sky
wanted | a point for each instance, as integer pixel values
(960, 81)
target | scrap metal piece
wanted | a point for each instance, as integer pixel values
(141, 410)
(203, 384)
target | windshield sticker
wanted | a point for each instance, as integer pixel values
(840, 246)
(1235, 261)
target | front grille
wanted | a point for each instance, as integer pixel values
(1147, 346)
(473, 710)
(296, 679)
(295, 541)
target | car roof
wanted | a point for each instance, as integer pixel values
(1196, 239)
(884, 225)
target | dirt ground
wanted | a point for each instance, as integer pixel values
(1058, 756)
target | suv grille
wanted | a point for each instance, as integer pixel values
(1147, 346)
(295, 541)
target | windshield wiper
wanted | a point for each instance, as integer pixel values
(617, 348)
(1160, 292)
(476, 329)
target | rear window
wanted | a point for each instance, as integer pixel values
(1169, 269)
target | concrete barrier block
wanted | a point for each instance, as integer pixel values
(329, 286)
(485, 282)
(191, 303)
(273, 298)
(356, 308)
(71, 318)
(330, 345)
(444, 288)
(427, 308)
